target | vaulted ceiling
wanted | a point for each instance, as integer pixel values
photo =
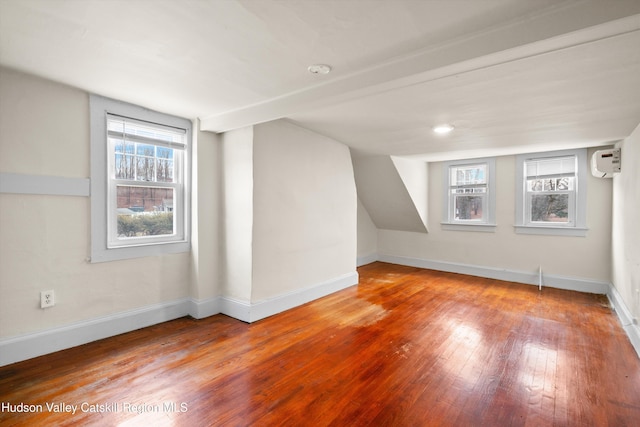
(510, 75)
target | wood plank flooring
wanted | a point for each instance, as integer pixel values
(406, 347)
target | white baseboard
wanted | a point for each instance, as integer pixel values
(37, 344)
(235, 308)
(626, 318)
(205, 308)
(529, 278)
(280, 303)
(251, 312)
(366, 259)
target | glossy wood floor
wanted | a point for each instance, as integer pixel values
(407, 347)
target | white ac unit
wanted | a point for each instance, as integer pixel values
(605, 163)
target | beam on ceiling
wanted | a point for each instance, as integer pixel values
(576, 23)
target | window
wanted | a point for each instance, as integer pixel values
(551, 193)
(469, 202)
(139, 181)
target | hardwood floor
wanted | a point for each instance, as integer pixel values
(406, 347)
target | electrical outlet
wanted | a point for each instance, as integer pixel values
(47, 299)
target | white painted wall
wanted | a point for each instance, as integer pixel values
(205, 214)
(304, 218)
(367, 236)
(237, 213)
(45, 127)
(44, 244)
(626, 227)
(575, 257)
(278, 229)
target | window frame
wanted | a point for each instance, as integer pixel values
(488, 224)
(103, 182)
(576, 225)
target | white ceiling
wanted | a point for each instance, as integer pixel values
(511, 75)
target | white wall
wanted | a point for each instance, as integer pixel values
(626, 227)
(44, 244)
(273, 223)
(574, 257)
(45, 127)
(237, 213)
(367, 237)
(304, 229)
(206, 215)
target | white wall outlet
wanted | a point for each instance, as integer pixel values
(47, 299)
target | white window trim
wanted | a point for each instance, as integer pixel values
(99, 107)
(490, 224)
(579, 228)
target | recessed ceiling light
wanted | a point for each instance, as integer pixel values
(319, 69)
(443, 129)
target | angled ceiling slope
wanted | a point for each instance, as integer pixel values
(385, 196)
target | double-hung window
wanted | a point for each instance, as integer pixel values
(551, 193)
(469, 201)
(146, 181)
(139, 181)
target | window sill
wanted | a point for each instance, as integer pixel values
(451, 226)
(551, 231)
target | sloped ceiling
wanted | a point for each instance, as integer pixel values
(511, 75)
(385, 195)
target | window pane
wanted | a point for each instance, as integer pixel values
(125, 166)
(144, 162)
(467, 175)
(469, 190)
(468, 207)
(145, 169)
(164, 164)
(123, 146)
(144, 211)
(145, 150)
(550, 184)
(565, 184)
(550, 208)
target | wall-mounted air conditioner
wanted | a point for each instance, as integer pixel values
(605, 163)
